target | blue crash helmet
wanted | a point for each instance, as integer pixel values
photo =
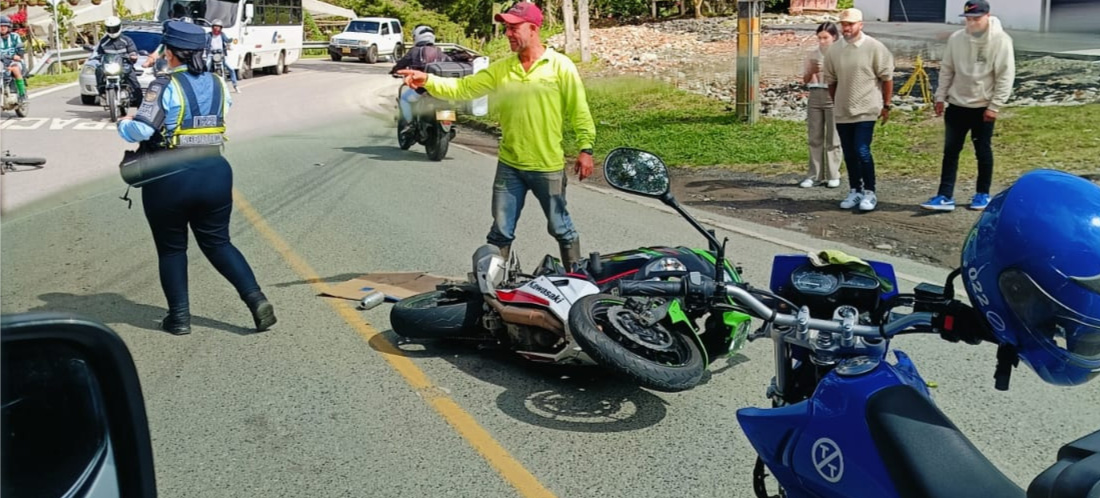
(1031, 266)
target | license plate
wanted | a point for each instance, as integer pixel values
(345, 50)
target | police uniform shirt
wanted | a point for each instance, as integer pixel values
(171, 101)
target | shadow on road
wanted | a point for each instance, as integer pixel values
(391, 153)
(113, 308)
(573, 398)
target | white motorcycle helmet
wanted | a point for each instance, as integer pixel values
(114, 26)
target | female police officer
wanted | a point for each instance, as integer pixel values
(179, 125)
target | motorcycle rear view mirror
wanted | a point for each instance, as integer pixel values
(73, 412)
(88, 48)
(636, 171)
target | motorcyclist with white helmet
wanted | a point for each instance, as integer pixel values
(217, 40)
(117, 43)
(11, 46)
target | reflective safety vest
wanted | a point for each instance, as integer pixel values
(196, 127)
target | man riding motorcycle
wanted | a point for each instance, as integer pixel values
(424, 52)
(117, 43)
(11, 46)
(216, 40)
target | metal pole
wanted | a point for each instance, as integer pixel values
(748, 59)
(57, 33)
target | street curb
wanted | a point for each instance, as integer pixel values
(52, 89)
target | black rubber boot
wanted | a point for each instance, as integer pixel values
(177, 322)
(570, 253)
(263, 312)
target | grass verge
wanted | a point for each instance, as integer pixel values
(686, 129)
(48, 80)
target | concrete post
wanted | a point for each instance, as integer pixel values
(748, 59)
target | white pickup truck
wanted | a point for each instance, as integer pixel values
(366, 38)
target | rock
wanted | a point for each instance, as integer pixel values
(648, 57)
(884, 247)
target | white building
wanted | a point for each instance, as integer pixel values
(1034, 15)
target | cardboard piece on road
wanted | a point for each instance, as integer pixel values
(395, 286)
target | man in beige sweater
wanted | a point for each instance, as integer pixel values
(976, 77)
(859, 72)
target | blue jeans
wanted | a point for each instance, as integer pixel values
(228, 70)
(406, 101)
(510, 189)
(855, 140)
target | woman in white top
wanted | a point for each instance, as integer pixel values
(824, 141)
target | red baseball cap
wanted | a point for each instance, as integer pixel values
(520, 13)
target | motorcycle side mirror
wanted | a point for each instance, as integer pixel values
(143, 53)
(73, 411)
(636, 171)
(88, 48)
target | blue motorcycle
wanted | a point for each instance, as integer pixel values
(844, 421)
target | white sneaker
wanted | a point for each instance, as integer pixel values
(869, 202)
(833, 183)
(807, 183)
(854, 197)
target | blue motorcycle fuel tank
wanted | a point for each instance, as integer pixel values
(822, 447)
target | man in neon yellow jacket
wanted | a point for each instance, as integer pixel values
(537, 90)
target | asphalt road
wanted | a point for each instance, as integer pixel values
(324, 405)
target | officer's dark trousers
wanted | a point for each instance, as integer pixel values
(200, 196)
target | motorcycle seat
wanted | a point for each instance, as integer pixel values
(925, 454)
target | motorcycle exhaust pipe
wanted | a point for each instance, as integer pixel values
(526, 316)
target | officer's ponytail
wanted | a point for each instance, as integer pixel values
(196, 64)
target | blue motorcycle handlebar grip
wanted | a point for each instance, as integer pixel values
(650, 288)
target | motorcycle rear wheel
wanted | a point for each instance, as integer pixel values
(438, 314)
(612, 335)
(437, 143)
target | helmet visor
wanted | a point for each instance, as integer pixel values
(111, 30)
(1050, 321)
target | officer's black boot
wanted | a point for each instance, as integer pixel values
(263, 313)
(570, 253)
(177, 322)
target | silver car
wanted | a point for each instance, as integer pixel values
(146, 36)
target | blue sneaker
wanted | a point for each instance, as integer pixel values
(939, 203)
(979, 202)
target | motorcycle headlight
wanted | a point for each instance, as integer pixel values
(88, 70)
(666, 264)
(112, 68)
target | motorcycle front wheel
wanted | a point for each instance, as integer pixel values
(24, 108)
(439, 314)
(658, 356)
(112, 104)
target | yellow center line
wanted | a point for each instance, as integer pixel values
(503, 462)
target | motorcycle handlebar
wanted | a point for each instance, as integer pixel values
(651, 288)
(694, 286)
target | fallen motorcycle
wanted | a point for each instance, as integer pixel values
(565, 315)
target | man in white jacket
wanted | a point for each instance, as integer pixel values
(976, 77)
